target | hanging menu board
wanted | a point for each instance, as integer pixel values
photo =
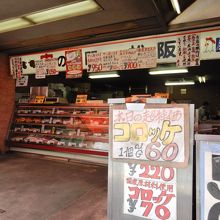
(188, 50)
(158, 134)
(122, 60)
(150, 191)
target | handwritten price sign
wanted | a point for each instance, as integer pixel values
(138, 58)
(150, 191)
(154, 134)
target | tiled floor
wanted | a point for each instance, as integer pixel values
(39, 189)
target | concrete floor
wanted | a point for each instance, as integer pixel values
(39, 189)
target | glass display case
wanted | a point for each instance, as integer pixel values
(75, 128)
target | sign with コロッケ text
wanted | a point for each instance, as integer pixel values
(157, 133)
(150, 191)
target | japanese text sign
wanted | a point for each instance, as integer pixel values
(122, 59)
(16, 67)
(51, 65)
(150, 191)
(158, 133)
(74, 68)
(188, 50)
(41, 69)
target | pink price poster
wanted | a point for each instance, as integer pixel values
(74, 66)
(150, 191)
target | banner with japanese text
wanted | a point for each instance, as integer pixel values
(169, 49)
(74, 68)
(158, 134)
(150, 191)
(122, 60)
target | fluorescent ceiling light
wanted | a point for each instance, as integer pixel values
(13, 24)
(103, 75)
(77, 8)
(65, 11)
(179, 83)
(202, 79)
(167, 71)
(176, 6)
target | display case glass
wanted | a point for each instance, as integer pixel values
(75, 128)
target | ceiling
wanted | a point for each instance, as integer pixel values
(118, 19)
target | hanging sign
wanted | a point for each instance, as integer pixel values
(74, 67)
(210, 45)
(122, 60)
(22, 82)
(41, 69)
(185, 48)
(188, 50)
(16, 67)
(158, 134)
(150, 191)
(51, 66)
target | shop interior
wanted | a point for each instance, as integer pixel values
(205, 77)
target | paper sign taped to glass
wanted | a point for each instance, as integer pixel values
(155, 133)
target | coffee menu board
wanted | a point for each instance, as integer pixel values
(122, 60)
(156, 133)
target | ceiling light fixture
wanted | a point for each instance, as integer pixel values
(202, 79)
(13, 24)
(176, 6)
(167, 71)
(179, 83)
(103, 75)
(65, 11)
(74, 9)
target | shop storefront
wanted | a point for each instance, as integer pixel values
(61, 110)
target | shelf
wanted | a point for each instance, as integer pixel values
(62, 149)
(63, 115)
(67, 106)
(87, 138)
(67, 126)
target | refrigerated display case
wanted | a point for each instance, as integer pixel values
(73, 129)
